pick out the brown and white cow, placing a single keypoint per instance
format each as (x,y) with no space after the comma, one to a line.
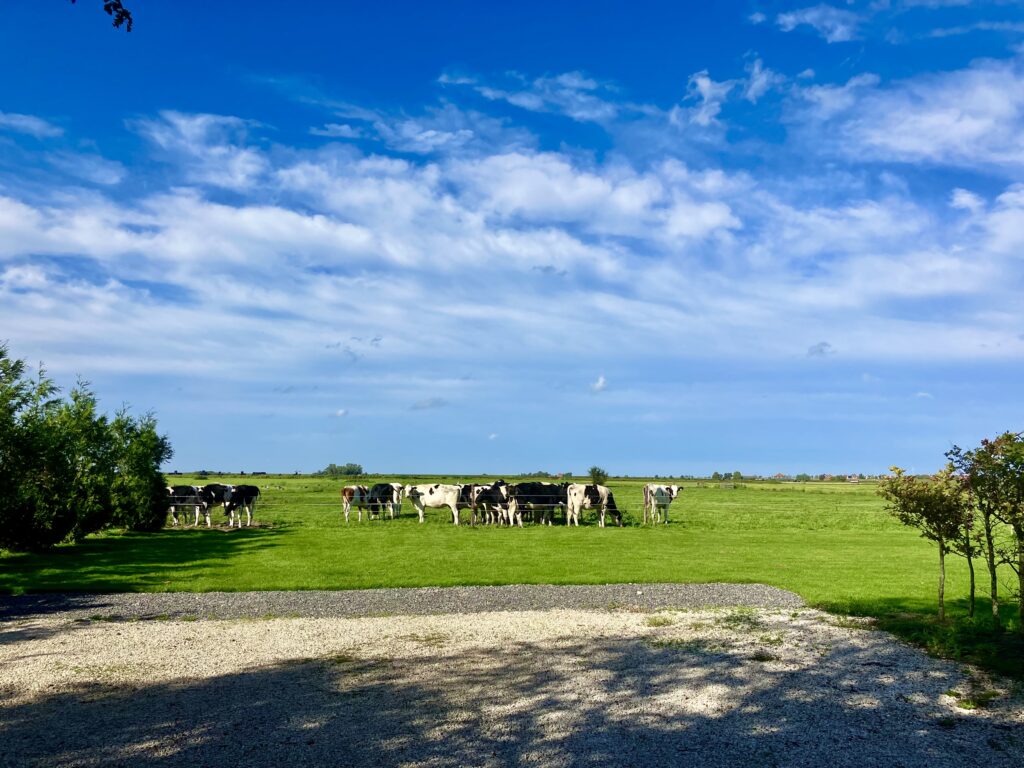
(354,496)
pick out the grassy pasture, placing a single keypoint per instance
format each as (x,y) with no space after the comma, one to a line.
(831,543)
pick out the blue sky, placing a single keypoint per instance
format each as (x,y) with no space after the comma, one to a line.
(773,237)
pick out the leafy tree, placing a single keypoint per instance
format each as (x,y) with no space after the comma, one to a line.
(803,477)
(598,476)
(138,494)
(938,507)
(980,467)
(347,470)
(1003,462)
(65,467)
(120,15)
(716,476)
(737,475)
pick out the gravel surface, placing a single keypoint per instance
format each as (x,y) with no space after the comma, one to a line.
(382,602)
(565,687)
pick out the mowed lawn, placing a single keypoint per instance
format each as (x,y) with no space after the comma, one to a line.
(831,543)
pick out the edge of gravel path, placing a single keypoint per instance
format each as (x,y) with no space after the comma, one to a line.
(419,601)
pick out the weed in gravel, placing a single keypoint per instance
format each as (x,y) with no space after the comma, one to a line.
(771,639)
(103,617)
(689,645)
(946,722)
(741,620)
(660,621)
(975,699)
(429,640)
(852,622)
(762,655)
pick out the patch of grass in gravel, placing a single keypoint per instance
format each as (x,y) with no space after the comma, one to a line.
(660,621)
(762,655)
(428,639)
(975,699)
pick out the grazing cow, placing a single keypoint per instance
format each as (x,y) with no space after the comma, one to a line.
(543,498)
(187,496)
(381,497)
(658,498)
(591,496)
(241,497)
(437,495)
(354,496)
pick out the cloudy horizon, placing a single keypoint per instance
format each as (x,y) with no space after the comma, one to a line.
(774,238)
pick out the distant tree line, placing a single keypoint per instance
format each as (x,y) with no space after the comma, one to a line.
(68,470)
(346,470)
(973,508)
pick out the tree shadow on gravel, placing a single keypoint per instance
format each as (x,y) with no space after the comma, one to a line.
(623,702)
(128,562)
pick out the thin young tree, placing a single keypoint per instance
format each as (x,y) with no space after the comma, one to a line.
(1008,449)
(598,476)
(980,469)
(936,506)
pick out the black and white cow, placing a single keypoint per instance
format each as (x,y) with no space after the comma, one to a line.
(658,498)
(435,496)
(591,497)
(240,497)
(216,495)
(491,502)
(187,497)
(542,498)
(384,497)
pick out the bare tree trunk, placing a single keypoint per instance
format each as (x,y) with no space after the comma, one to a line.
(942,580)
(990,561)
(1018,531)
(970,599)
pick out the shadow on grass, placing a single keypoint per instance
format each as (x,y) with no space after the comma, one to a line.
(630,703)
(972,640)
(131,562)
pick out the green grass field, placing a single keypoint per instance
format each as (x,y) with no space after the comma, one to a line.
(833,544)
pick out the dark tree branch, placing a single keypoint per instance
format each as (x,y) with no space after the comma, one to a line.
(120,15)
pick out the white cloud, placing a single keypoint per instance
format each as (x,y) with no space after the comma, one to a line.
(760,80)
(600,385)
(211,148)
(711,95)
(341,412)
(968,117)
(29,124)
(92,168)
(492,436)
(966,200)
(923,395)
(833,24)
(573,94)
(337,131)
(757,18)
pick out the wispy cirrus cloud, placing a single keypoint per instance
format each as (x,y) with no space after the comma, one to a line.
(834,25)
(30,125)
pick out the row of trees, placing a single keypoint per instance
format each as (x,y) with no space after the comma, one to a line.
(66,469)
(973,508)
(345,470)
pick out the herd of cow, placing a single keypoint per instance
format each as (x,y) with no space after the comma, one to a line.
(203,498)
(499,503)
(502,503)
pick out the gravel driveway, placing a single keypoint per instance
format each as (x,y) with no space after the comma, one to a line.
(586,684)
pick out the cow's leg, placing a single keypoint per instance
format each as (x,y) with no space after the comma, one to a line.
(346,508)
(206,514)
(455,513)
(419,509)
(196,523)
